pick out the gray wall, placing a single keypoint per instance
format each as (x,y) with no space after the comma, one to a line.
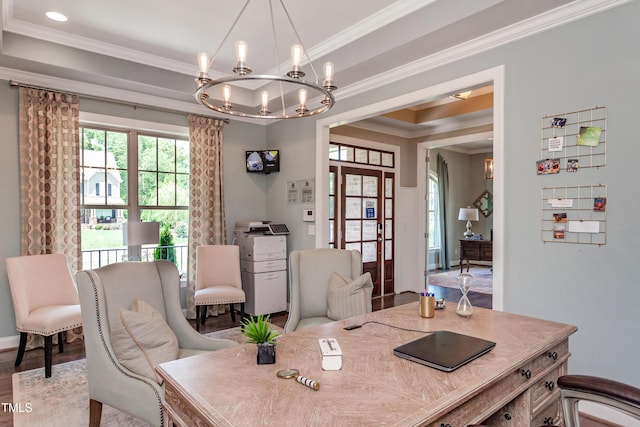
(582,64)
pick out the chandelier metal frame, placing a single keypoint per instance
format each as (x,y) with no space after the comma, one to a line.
(293,78)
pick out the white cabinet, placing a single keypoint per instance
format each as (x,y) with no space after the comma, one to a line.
(263,263)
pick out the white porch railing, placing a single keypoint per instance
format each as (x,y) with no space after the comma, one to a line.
(95,258)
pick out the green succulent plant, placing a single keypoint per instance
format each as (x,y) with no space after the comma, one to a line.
(258,329)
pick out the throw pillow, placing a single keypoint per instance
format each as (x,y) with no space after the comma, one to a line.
(347,298)
(144,340)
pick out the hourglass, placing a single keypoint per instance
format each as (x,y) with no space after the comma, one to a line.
(464,309)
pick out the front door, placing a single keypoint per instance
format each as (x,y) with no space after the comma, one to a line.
(367,222)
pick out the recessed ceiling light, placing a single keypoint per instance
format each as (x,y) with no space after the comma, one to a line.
(56,16)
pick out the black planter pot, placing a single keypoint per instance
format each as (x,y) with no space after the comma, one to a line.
(266,353)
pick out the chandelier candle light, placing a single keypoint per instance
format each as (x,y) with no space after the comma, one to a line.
(287,83)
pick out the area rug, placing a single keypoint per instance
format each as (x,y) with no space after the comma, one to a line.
(482,279)
(63,399)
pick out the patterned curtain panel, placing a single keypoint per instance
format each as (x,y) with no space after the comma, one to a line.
(49,174)
(50,181)
(206,196)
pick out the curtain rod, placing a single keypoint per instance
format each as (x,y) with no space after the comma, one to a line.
(13,83)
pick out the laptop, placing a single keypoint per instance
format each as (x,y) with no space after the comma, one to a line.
(444,350)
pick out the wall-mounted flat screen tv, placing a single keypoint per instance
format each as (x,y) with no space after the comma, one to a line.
(263,161)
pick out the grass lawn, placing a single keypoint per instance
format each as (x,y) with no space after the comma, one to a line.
(102,239)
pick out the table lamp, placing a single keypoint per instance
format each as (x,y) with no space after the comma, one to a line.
(468,214)
(140,233)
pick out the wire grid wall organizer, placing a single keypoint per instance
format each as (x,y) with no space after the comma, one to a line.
(574,214)
(560,140)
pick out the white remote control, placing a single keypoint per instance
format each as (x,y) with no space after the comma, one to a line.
(331,354)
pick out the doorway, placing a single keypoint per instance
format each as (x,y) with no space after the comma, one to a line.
(412,251)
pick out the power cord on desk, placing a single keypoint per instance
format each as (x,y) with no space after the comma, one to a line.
(351,327)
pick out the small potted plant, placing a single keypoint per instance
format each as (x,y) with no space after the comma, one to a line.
(258,330)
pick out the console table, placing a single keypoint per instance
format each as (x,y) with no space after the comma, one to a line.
(476,250)
(513,384)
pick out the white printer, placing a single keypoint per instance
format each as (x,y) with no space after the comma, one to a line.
(263,264)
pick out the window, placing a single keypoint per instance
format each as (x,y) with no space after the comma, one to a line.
(434,213)
(134,177)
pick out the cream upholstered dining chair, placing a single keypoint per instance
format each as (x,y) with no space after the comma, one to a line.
(613,394)
(311,275)
(133,321)
(218,280)
(45,300)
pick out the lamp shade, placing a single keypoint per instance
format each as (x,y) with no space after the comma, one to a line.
(468,214)
(140,233)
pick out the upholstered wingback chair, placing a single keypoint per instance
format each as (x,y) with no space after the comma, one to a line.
(309,275)
(103,293)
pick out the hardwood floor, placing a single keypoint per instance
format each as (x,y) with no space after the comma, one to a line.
(35,358)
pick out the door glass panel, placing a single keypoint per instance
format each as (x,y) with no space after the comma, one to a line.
(369,251)
(369,208)
(388,250)
(388,224)
(353,247)
(388,208)
(352,205)
(369,230)
(353,230)
(370,186)
(388,187)
(331,229)
(353,185)
(332,204)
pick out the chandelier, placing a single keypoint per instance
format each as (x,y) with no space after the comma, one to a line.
(286,106)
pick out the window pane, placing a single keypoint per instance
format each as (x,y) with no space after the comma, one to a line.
(334,152)
(166,189)
(353,231)
(346,154)
(353,185)
(369,230)
(332,213)
(369,208)
(387,160)
(388,229)
(182,156)
(370,186)
(374,157)
(147,153)
(353,247)
(388,208)
(332,179)
(388,187)
(388,250)
(361,155)
(182,190)
(166,155)
(117,180)
(147,189)
(174,233)
(353,209)
(369,251)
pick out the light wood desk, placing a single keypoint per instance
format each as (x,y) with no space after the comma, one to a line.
(375,387)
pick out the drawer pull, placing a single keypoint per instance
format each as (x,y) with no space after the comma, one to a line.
(548,421)
(550,385)
(526,373)
(507,416)
(553,355)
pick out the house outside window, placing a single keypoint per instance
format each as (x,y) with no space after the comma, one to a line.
(134,177)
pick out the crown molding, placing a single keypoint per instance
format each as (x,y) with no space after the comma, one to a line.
(565,14)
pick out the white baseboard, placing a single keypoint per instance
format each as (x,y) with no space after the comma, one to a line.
(7,343)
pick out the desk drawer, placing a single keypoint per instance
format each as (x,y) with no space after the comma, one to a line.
(470,252)
(546,387)
(550,415)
